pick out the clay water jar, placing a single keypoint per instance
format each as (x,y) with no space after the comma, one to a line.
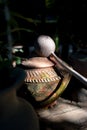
(44,81)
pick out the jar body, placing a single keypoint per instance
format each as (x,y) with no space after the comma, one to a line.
(45,85)
(44,82)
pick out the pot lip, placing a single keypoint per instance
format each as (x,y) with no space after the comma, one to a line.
(19,77)
(37,62)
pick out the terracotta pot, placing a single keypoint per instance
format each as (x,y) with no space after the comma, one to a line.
(15,112)
(44,82)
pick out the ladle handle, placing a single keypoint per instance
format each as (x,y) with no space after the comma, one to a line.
(70,70)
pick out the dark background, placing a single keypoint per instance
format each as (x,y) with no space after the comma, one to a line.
(70,25)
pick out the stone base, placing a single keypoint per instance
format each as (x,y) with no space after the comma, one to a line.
(66,115)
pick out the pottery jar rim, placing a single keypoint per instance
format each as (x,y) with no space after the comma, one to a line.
(37,62)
